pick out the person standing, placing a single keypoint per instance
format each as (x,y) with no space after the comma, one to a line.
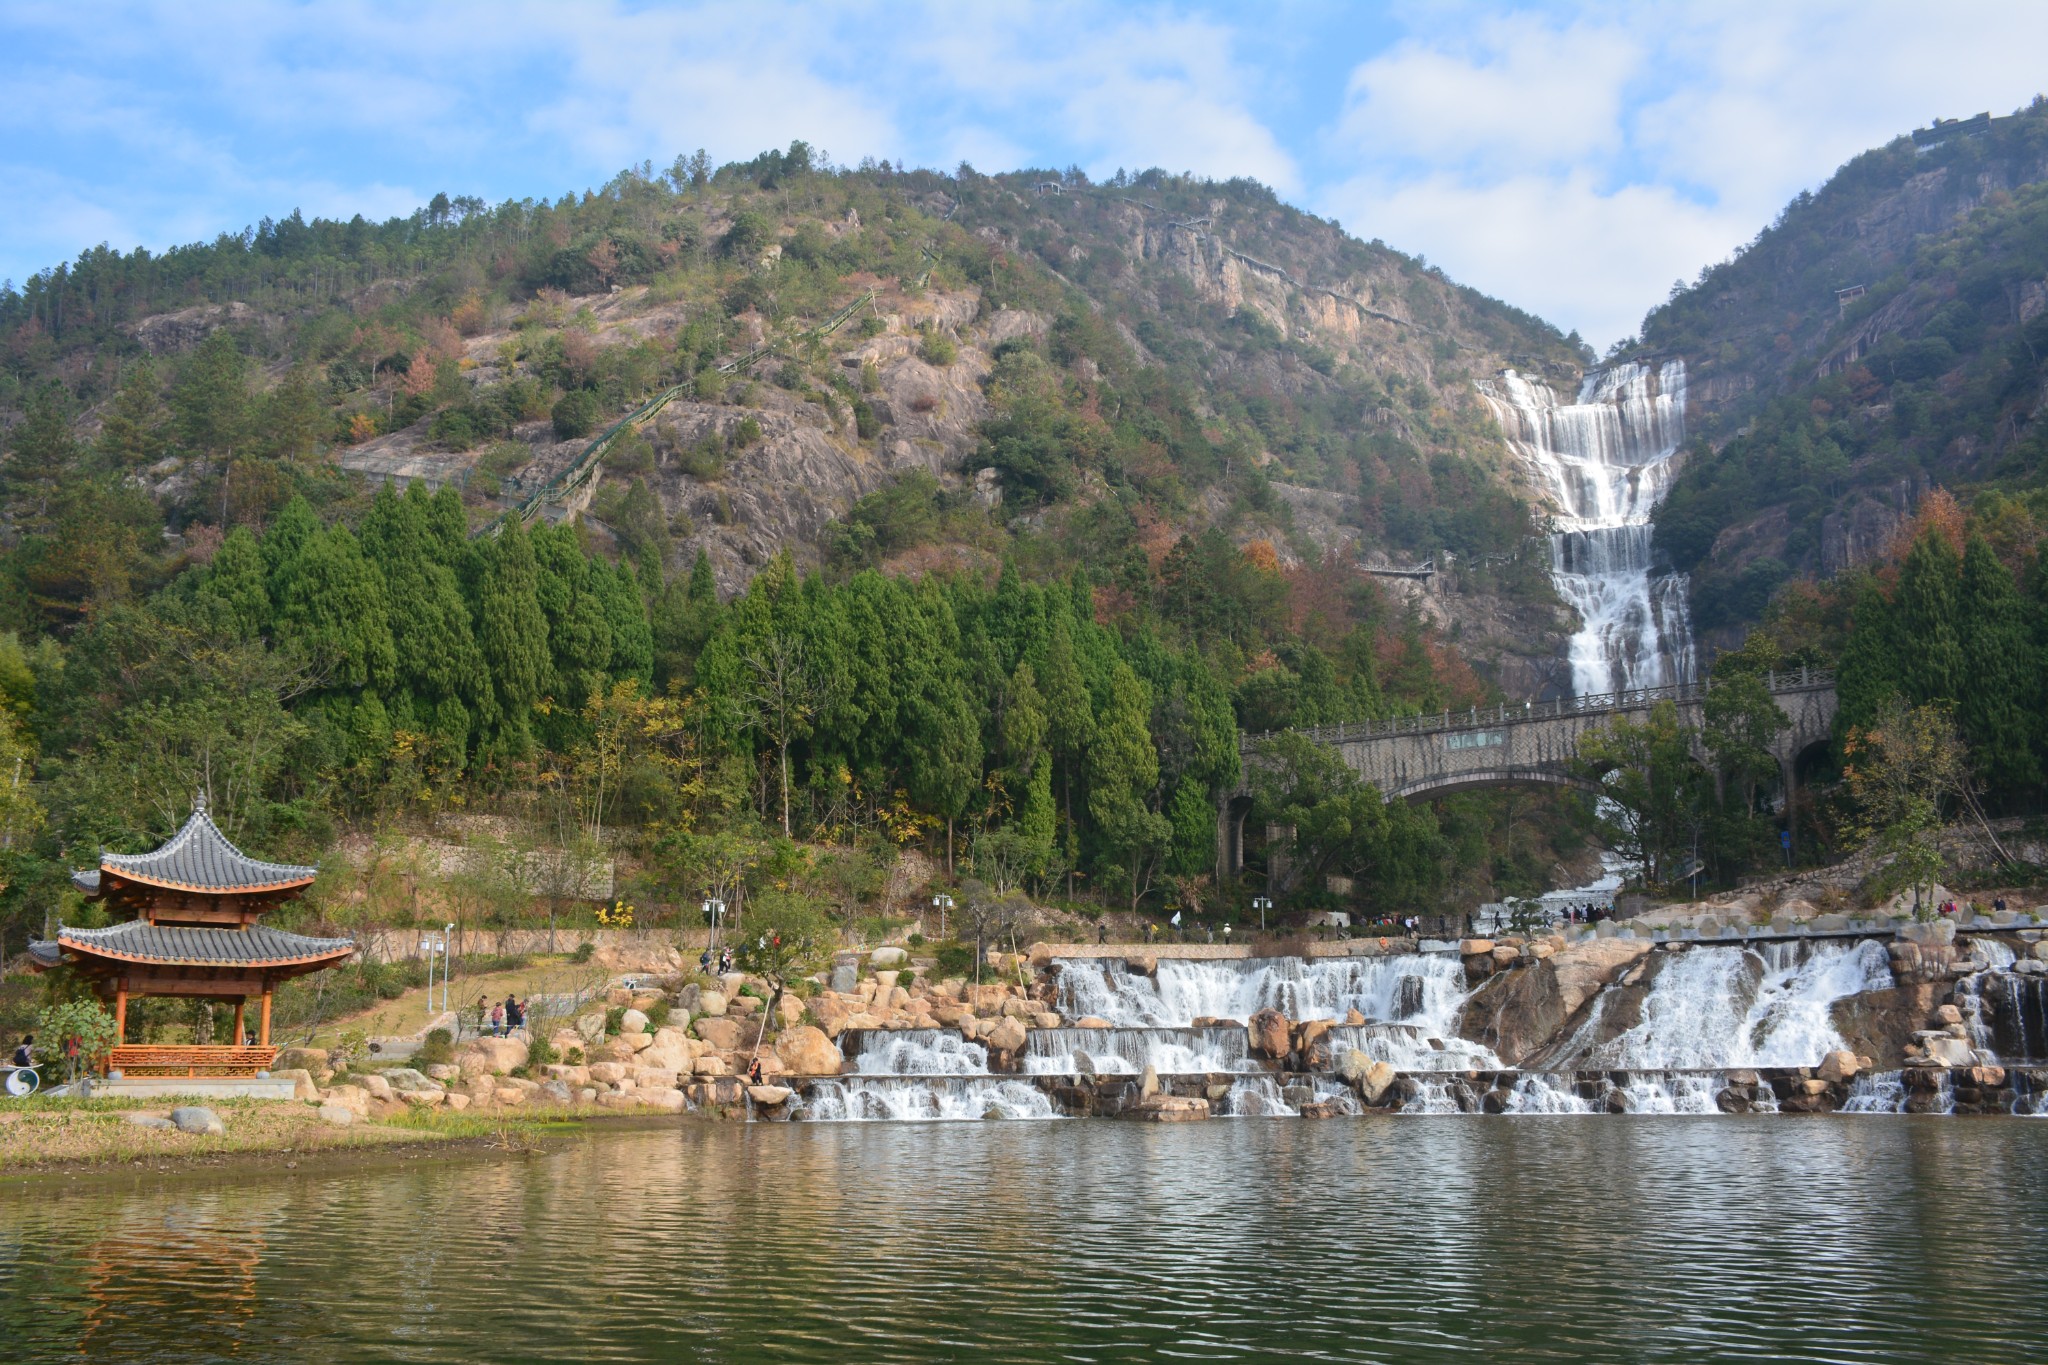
(25,1053)
(497,1021)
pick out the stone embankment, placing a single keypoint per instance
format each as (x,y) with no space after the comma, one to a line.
(1929,1042)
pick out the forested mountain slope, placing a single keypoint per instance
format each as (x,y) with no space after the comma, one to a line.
(982,513)
(1886,335)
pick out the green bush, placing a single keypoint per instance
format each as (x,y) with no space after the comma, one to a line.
(872,326)
(437,1049)
(574,1056)
(583,952)
(745,434)
(539,1053)
(657,1014)
(575,414)
(865,422)
(938,349)
(955,959)
(614,1019)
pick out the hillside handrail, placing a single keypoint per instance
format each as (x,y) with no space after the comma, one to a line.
(1509,713)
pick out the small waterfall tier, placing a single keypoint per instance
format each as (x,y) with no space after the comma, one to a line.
(1606,461)
(1128,1051)
(913,1075)
(1423,989)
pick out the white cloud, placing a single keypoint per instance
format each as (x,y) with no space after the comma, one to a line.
(1577,165)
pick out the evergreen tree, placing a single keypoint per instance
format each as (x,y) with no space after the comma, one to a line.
(625,612)
(233,590)
(1931,655)
(2000,706)
(1039,820)
(511,631)
(1069,716)
(132,434)
(1869,671)
(294,527)
(293,416)
(44,455)
(332,608)
(210,402)
(1123,770)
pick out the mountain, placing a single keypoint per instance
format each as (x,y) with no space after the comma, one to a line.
(1886,335)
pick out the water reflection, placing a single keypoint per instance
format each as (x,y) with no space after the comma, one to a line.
(1625,1239)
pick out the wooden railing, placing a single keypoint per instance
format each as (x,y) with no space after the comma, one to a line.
(145,1059)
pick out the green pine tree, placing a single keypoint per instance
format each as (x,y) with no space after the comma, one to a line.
(2000,707)
(1931,654)
(511,631)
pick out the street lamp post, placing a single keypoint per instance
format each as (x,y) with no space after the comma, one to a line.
(942,904)
(447,960)
(714,915)
(1262,904)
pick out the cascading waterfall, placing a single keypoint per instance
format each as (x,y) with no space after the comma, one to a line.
(1606,460)
(919,1075)
(1715,1008)
(1424,989)
(1128,1051)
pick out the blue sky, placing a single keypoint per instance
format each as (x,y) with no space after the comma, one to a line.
(1572,159)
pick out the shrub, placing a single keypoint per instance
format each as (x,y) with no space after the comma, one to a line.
(872,326)
(915,940)
(439,1047)
(540,1053)
(614,1020)
(954,959)
(583,951)
(938,349)
(575,414)
(574,1056)
(657,1014)
(865,422)
(745,434)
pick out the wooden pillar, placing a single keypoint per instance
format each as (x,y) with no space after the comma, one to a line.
(263,1039)
(120,1015)
(241,1003)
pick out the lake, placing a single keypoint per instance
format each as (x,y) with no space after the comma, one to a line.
(1385,1239)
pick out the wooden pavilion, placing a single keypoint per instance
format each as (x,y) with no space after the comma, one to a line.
(196,903)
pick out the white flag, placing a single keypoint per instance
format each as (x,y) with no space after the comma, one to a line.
(1175,921)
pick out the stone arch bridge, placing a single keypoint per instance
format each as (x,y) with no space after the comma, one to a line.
(1416,757)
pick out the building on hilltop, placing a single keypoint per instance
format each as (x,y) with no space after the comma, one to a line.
(195,904)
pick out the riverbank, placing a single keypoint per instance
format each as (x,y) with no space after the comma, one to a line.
(44,1137)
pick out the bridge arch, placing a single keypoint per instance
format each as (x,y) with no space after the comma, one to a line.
(1444,785)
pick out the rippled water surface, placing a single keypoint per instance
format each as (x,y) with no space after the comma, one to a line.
(1624,1239)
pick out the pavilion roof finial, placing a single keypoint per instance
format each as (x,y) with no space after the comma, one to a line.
(199,801)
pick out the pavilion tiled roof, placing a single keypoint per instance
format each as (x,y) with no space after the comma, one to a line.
(165,945)
(197,858)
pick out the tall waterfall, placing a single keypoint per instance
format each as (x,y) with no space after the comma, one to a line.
(1607,462)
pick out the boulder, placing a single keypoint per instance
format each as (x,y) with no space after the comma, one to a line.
(711,1003)
(491,1056)
(443,1072)
(723,1034)
(591,1026)
(1148,1084)
(1142,966)
(148,1121)
(767,1095)
(1007,1036)
(197,1118)
(633,1021)
(1269,1034)
(310,1059)
(351,1097)
(669,1101)
(1589,964)
(1170,1109)
(1948,1014)
(1091,1021)
(806,1051)
(638,1042)
(424,1099)
(1837,1066)
(607,1073)
(1374,1083)
(1047,1019)
(1475,947)
(405,1080)
(885,982)
(457,1101)
(710,1066)
(375,1083)
(887,957)
(508,1096)
(302,1082)
(1504,956)
(559,1091)
(789,1009)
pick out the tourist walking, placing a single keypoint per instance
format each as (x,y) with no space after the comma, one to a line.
(497,1021)
(511,1013)
(1101,931)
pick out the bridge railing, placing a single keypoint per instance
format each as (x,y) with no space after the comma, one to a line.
(1510,713)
